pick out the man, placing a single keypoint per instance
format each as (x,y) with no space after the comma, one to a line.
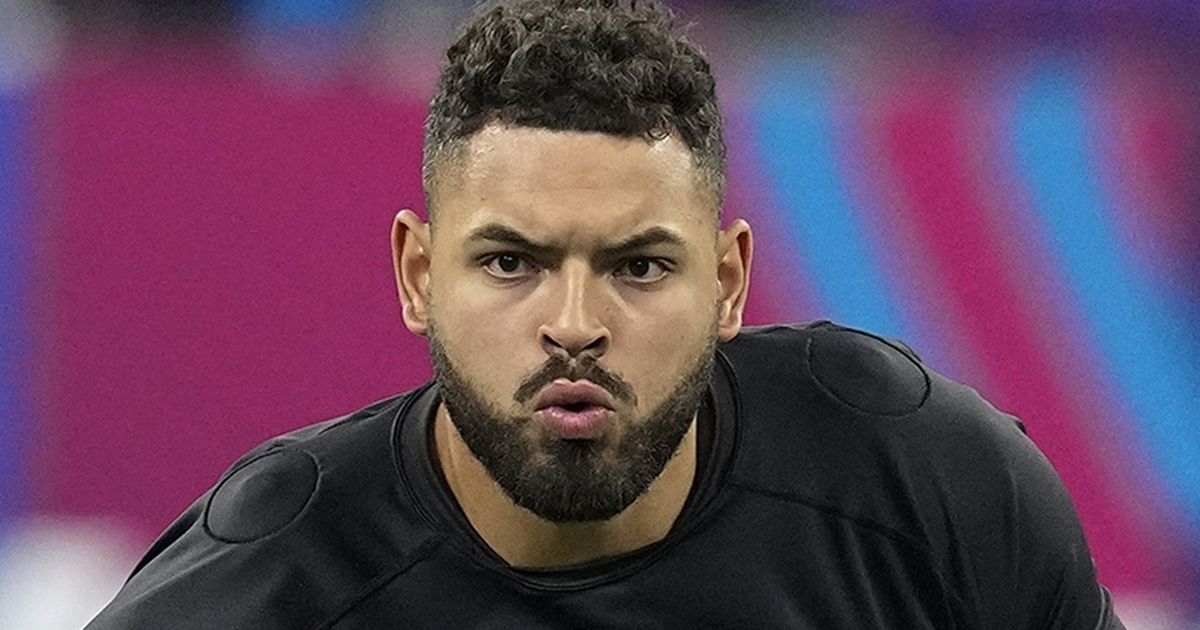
(603,446)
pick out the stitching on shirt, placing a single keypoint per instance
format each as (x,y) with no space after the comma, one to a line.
(808,357)
(308,502)
(371,587)
(866,523)
(886,530)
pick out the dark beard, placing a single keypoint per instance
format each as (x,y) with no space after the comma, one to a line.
(571,480)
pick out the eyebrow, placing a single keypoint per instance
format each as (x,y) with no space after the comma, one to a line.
(652,236)
(503,234)
(508,236)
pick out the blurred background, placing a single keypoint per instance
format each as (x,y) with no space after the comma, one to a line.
(196,197)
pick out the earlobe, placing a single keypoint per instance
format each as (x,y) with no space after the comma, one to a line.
(411,260)
(736,252)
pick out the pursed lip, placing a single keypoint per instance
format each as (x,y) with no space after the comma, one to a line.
(564,393)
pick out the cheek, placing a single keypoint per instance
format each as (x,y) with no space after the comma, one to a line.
(663,339)
(677,318)
(486,335)
(478,317)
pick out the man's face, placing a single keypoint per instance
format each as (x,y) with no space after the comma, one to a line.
(573,312)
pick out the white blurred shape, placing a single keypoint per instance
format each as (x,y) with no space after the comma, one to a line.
(1150,611)
(57,574)
(406,42)
(29,40)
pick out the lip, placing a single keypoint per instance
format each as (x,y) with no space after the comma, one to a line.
(590,423)
(564,393)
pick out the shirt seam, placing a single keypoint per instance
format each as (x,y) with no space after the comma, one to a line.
(370,588)
(860,522)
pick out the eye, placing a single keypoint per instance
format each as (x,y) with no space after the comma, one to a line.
(507,266)
(642,269)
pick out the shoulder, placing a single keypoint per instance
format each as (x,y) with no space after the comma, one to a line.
(857,427)
(827,408)
(275,483)
(257,549)
(858,424)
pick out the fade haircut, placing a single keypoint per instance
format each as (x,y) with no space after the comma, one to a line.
(620,67)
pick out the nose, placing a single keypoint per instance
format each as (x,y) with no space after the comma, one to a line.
(575,326)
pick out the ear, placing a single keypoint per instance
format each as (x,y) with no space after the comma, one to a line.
(735,250)
(410,257)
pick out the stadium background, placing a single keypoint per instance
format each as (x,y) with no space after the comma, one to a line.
(195,201)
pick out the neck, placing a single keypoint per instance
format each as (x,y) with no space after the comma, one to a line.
(525,540)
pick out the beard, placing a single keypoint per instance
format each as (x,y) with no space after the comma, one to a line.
(563,480)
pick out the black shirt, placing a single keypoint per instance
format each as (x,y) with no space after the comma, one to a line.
(840,484)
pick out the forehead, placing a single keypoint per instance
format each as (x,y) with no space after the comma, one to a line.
(543,179)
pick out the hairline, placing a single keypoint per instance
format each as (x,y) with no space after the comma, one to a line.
(710,178)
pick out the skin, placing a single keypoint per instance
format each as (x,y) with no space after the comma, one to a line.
(645,314)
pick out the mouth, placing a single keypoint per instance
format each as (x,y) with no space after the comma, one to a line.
(574,395)
(575,410)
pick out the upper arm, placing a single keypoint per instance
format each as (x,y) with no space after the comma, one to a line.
(1031,567)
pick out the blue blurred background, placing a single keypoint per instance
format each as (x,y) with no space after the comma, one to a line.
(195,200)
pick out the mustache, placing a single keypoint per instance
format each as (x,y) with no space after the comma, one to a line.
(557,367)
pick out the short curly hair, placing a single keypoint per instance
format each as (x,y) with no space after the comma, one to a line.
(620,67)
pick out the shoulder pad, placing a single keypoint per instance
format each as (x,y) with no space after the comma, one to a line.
(262,496)
(867,373)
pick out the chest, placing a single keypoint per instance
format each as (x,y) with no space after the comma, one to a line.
(773,565)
